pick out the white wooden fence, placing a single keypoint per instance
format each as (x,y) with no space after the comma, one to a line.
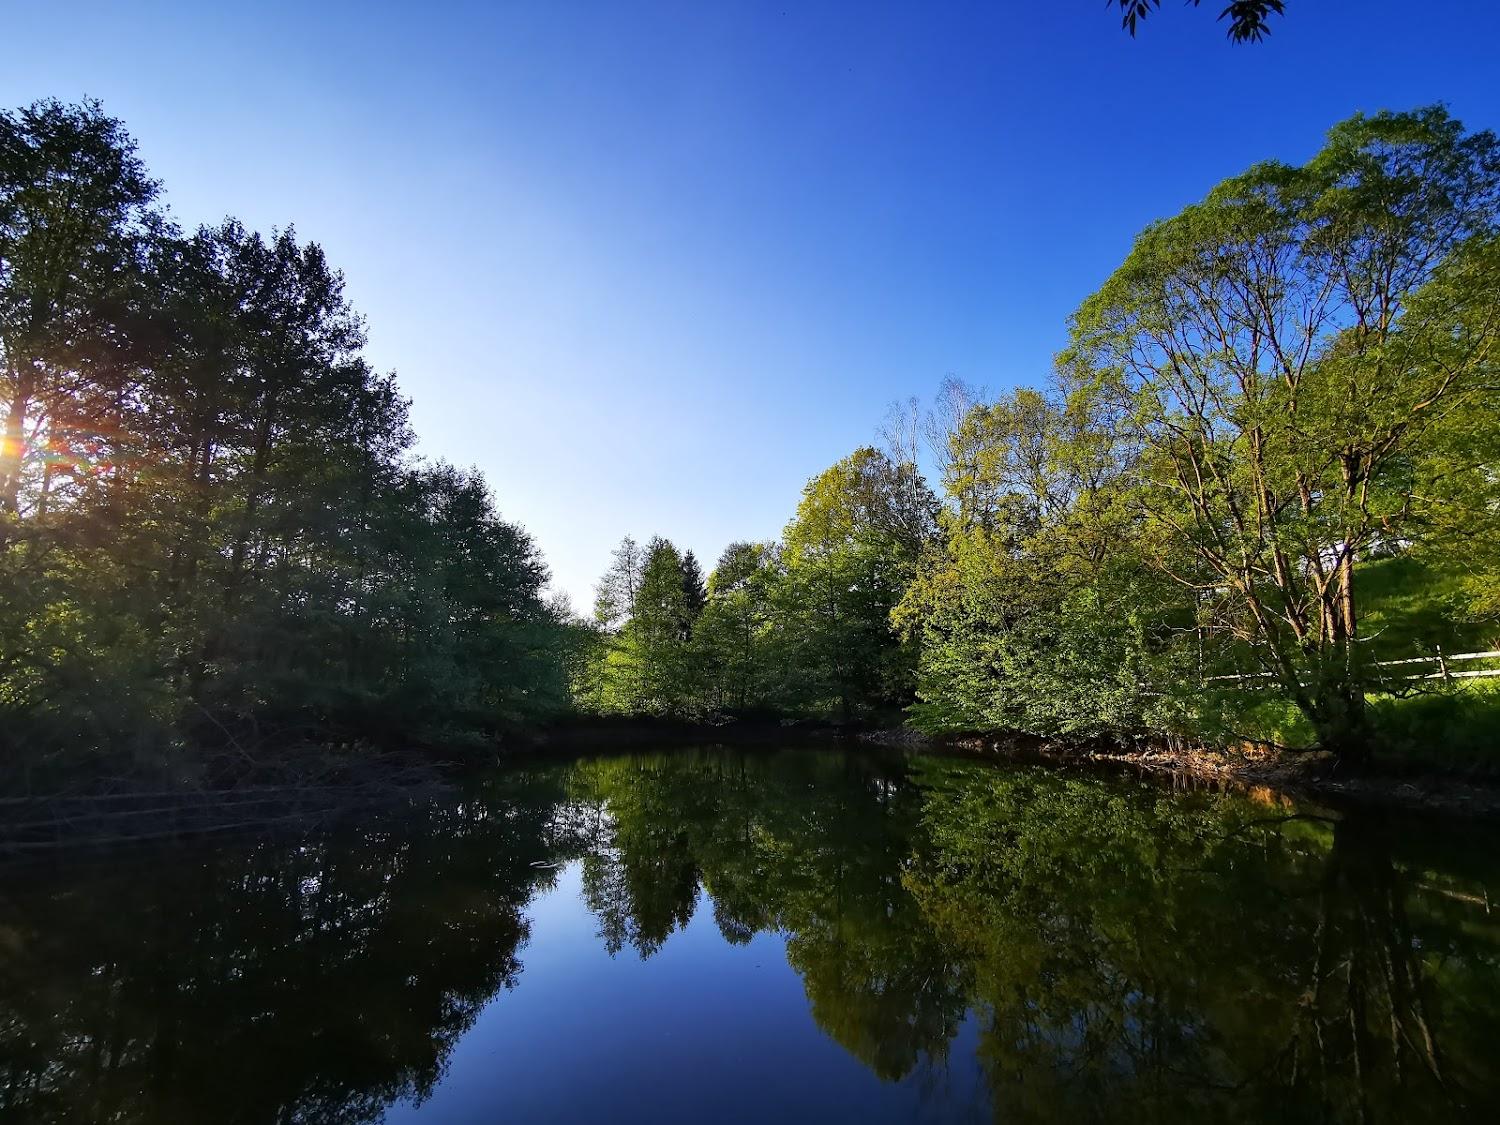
(1443,660)
(1435,667)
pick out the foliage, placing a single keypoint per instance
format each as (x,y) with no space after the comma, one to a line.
(211,529)
(1278,365)
(1249,20)
(1032,616)
(1269,460)
(1282,390)
(617,589)
(736,640)
(847,556)
(802,627)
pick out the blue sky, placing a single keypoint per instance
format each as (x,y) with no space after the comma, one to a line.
(652,265)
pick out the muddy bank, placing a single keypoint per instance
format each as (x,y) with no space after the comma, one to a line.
(1307,775)
(1264,770)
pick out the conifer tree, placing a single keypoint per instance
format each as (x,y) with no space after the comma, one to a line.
(694,592)
(656,641)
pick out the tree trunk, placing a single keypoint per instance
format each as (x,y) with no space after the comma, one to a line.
(1342,721)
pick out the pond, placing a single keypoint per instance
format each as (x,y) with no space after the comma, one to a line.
(790,935)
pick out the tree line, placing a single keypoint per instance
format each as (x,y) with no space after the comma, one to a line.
(1280,386)
(213,530)
(797,627)
(212,527)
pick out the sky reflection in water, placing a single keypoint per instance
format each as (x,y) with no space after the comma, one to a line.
(797,935)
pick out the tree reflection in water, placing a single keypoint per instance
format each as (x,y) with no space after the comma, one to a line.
(311,981)
(1124,951)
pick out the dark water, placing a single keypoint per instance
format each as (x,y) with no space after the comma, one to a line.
(791,936)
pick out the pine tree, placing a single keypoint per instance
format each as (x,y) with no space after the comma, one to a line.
(694,592)
(647,666)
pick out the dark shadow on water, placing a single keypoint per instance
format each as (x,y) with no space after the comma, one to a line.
(1117,951)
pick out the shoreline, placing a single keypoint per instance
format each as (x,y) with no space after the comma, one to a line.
(139,811)
(1308,775)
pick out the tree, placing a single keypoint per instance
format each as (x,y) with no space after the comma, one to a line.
(76,218)
(1280,361)
(212,536)
(1034,614)
(647,667)
(849,552)
(1249,20)
(734,640)
(75,210)
(694,591)
(617,589)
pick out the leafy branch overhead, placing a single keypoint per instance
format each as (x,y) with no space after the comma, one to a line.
(1249,20)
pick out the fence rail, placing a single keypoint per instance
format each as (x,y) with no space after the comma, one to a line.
(1440,661)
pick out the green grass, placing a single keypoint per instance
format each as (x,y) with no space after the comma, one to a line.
(1410,608)
(1455,729)
(1448,728)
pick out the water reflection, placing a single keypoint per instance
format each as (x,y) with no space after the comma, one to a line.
(1087,949)
(315,981)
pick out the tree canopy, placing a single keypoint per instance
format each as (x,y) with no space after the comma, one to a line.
(212,530)
(1281,387)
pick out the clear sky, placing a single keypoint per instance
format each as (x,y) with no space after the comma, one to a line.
(652,265)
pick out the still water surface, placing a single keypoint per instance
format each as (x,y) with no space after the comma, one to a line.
(802,935)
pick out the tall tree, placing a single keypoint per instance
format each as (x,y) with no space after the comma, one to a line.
(1279,358)
(694,591)
(734,641)
(617,590)
(211,532)
(75,210)
(849,552)
(657,633)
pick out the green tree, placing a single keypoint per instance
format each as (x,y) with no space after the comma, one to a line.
(694,589)
(735,640)
(646,664)
(75,214)
(1036,613)
(212,536)
(847,556)
(1279,360)
(615,595)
